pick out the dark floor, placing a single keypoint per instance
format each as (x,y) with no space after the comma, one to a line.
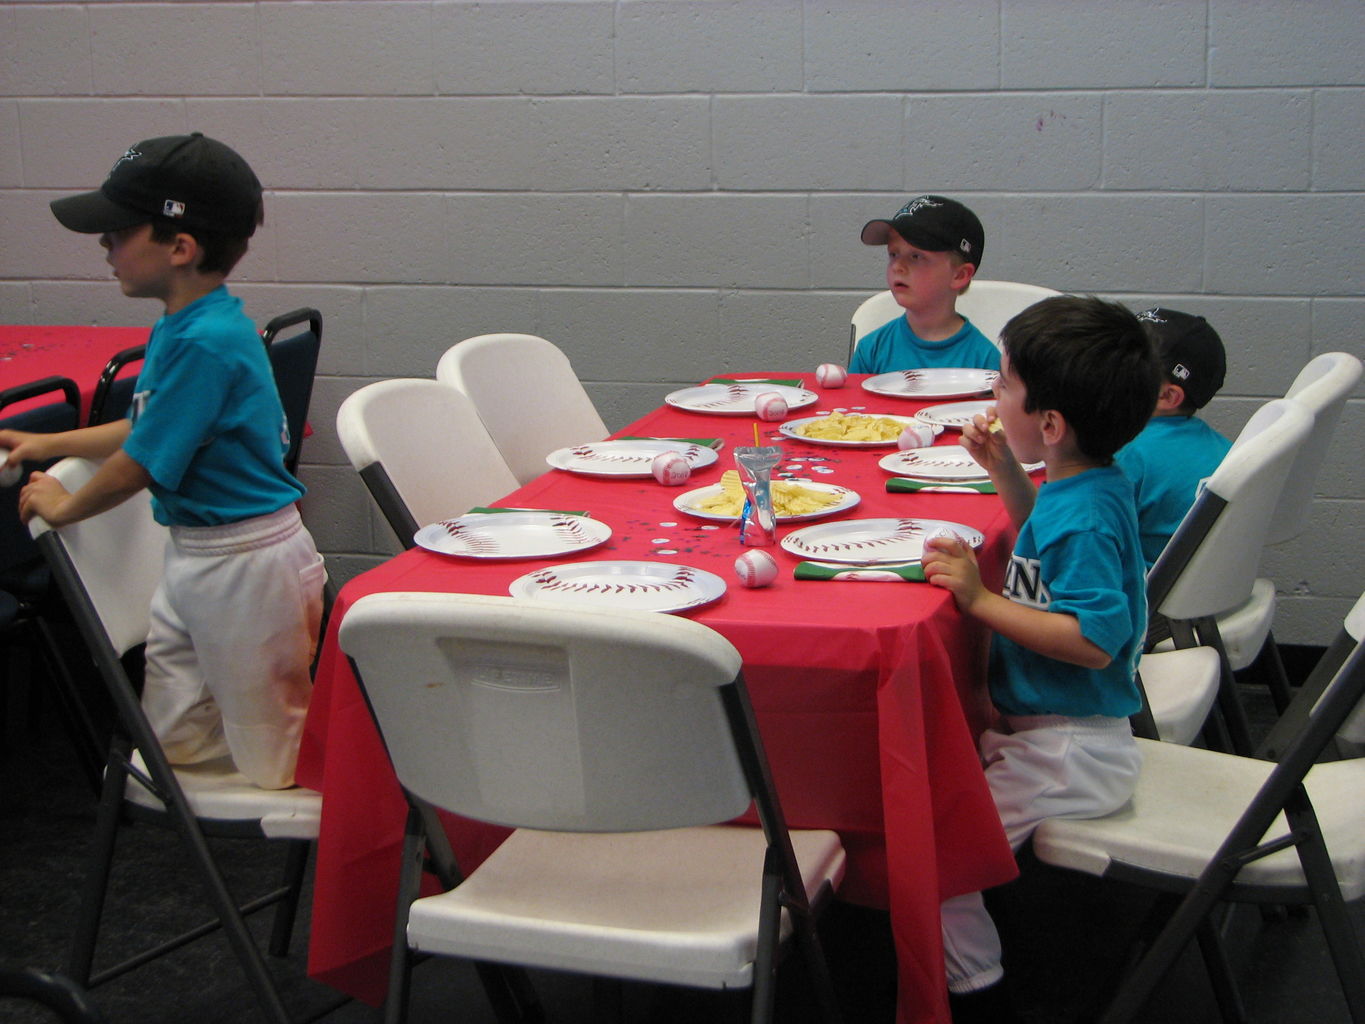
(1063,933)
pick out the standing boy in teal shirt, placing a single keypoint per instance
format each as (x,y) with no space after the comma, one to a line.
(236,616)
(1078,379)
(1176,451)
(933,247)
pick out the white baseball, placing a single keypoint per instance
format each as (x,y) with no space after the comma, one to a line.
(756,568)
(770,406)
(915,435)
(830,375)
(9,475)
(671,468)
(944,532)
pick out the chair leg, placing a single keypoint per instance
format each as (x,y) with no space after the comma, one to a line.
(769,924)
(1229,702)
(1138,987)
(1335,922)
(1269,666)
(225,906)
(409,885)
(75,716)
(295,865)
(818,967)
(1220,972)
(81,954)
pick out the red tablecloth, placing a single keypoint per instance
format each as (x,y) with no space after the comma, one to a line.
(869,697)
(31,353)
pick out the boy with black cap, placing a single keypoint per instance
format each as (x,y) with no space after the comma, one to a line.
(1176,452)
(235,618)
(933,248)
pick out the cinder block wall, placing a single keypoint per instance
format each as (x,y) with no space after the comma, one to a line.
(668,188)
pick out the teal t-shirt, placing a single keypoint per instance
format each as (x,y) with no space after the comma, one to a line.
(208,426)
(893,346)
(1078,554)
(1168,462)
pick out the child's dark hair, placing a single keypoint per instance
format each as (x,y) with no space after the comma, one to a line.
(221,252)
(1091,361)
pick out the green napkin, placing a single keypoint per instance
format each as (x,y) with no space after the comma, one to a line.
(705,442)
(904,484)
(488,511)
(909,572)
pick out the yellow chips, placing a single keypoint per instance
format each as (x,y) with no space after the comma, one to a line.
(853,427)
(789,499)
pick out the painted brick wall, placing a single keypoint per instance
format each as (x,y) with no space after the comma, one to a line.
(669,188)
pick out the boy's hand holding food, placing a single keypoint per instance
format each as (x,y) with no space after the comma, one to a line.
(951,564)
(984,439)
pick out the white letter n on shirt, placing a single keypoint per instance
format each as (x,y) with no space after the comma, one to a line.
(1024,583)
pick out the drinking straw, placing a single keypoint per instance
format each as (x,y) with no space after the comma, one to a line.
(756,441)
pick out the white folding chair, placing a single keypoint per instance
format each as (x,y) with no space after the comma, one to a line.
(527,395)
(1210,562)
(107,569)
(1220,828)
(612,742)
(987,304)
(422,451)
(1322,387)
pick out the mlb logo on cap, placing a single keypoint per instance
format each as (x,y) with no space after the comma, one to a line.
(170,208)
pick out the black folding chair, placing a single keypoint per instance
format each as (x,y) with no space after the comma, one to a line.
(114,393)
(294,360)
(29,605)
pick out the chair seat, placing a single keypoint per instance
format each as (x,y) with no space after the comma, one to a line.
(1181,688)
(217,791)
(1244,628)
(576,902)
(1188,799)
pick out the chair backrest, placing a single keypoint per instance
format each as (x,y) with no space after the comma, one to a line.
(1309,697)
(1321,387)
(536,716)
(117,556)
(294,360)
(61,413)
(987,304)
(422,451)
(114,390)
(527,395)
(1210,563)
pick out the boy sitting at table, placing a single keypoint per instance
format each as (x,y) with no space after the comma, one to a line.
(1079,379)
(1176,451)
(933,247)
(235,618)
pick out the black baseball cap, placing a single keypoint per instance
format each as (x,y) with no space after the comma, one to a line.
(1191,352)
(191,179)
(935,224)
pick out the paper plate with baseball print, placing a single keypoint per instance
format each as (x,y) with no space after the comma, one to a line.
(794,429)
(626,457)
(939,382)
(939,462)
(530,534)
(954,415)
(871,541)
(736,398)
(638,586)
(690,502)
